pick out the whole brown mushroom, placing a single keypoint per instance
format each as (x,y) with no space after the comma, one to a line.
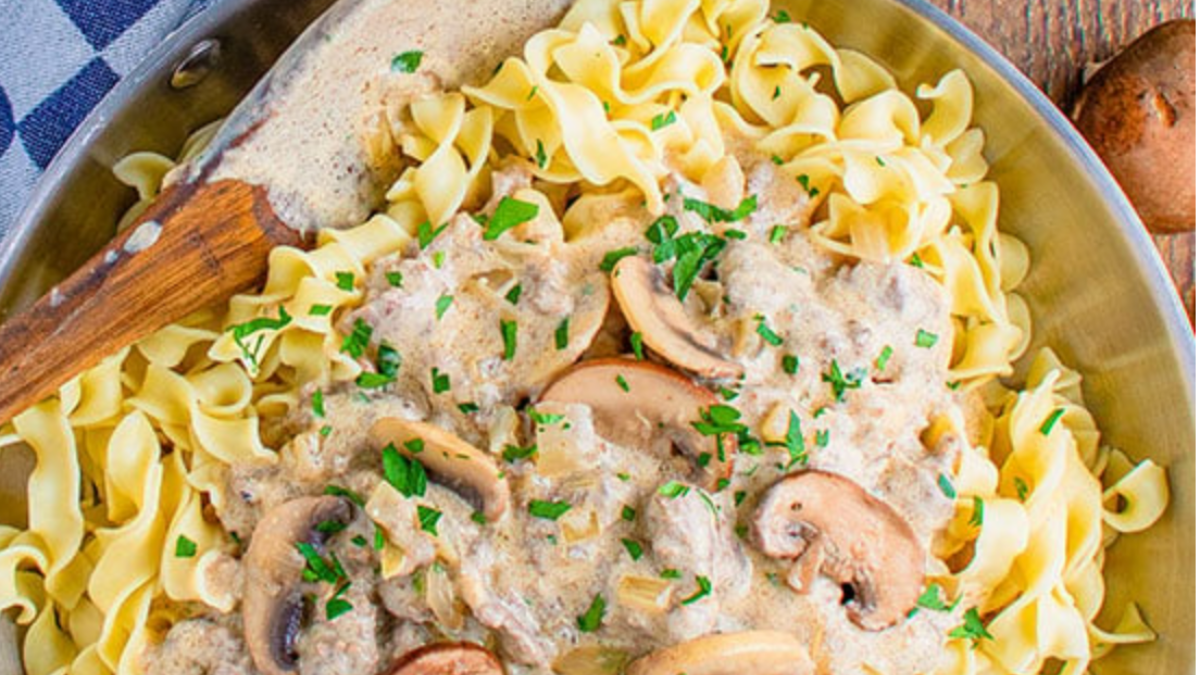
(1139,113)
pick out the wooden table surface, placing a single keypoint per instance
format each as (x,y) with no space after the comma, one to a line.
(1052,40)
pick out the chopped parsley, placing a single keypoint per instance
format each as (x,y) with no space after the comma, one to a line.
(439,380)
(242,331)
(976,512)
(513,295)
(925,339)
(468,408)
(1048,425)
(781,17)
(692,251)
(1022,488)
(330,526)
(881,361)
(337,606)
(589,621)
(946,486)
(508,331)
(662,120)
(778,232)
(634,549)
(766,333)
(355,344)
(719,420)
(367,380)
(345,280)
(916,261)
(822,438)
(562,334)
(812,191)
(318,403)
(316,567)
(715,214)
(777,93)
(439,259)
(320,310)
(674,489)
(842,382)
(794,442)
(478,517)
(509,213)
(428,517)
(614,256)
(512,453)
(387,360)
(704,587)
(548,510)
(932,599)
(405,474)
(426,234)
(635,342)
(395,279)
(622,383)
(972,628)
(739,497)
(407,62)
(339,491)
(670,573)
(628,513)
(791,364)
(443,304)
(184,547)
(546,418)
(540,157)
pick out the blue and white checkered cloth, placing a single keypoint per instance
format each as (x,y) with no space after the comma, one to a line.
(57,60)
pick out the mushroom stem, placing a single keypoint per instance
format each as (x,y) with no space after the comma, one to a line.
(640,404)
(827,523)
(762,652)
(273,604)
(450,461)
(652,309)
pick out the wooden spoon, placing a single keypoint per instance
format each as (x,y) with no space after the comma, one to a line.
(288,161)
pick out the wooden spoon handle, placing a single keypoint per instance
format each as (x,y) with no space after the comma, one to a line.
(197,244)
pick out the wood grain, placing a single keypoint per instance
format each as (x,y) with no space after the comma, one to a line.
(1052,41)
(192,247)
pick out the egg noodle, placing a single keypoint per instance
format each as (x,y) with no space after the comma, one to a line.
(129,453)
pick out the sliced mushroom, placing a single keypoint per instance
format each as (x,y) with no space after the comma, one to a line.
(273,598)
(762,652)
(830,525)
(450,461)
(652,309)
(645,405)
(454,658)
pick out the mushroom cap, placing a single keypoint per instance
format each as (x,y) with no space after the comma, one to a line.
(272,603)
(1139,113)
(762,652)
(451,658)
(450,461)
(652,309)
(855,539)
(659,407)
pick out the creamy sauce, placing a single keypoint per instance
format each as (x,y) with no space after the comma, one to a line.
(305,131)
(519,585)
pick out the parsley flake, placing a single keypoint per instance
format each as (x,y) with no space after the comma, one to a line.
(1048,425)
(405,474)
(508,331)
(407,62)
(184,547)
(548,510)
(562,334)
(428,518)
(704,588)
(662,120)
(925,339)
(443,304)
(589,621)
(509,213)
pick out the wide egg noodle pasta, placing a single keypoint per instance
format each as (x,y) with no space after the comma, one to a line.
(607,105)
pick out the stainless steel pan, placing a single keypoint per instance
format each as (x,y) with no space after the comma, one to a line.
(1098,293)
